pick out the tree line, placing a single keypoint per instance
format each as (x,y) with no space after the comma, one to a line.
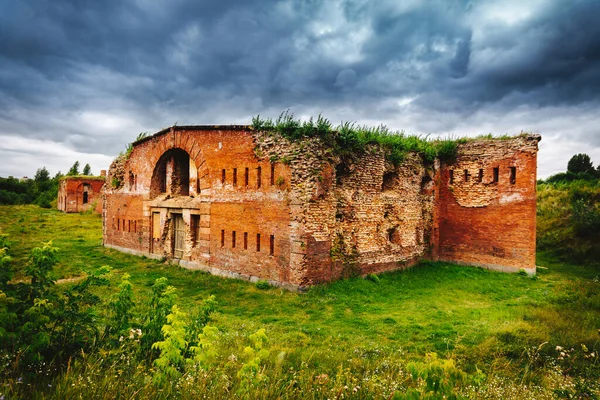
(579,167)
(40,190)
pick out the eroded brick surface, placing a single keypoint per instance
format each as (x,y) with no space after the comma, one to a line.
(254,205)
(490,221)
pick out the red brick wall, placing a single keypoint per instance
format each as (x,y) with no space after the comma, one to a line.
(323,215)
(487,223)
(70,194)
(223,205)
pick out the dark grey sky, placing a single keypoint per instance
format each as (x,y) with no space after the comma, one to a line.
(80,79)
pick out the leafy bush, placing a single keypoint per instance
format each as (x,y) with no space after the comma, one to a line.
(39,323)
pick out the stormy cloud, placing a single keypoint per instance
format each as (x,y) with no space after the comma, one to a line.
(80,79)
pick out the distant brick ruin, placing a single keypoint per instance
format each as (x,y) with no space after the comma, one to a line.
(80,193)
(254,205)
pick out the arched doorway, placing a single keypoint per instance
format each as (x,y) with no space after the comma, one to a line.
(172,174)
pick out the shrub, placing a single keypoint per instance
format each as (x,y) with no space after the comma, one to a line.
(263,284)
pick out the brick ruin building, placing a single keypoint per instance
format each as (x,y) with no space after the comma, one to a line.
(254,205)
(80,193)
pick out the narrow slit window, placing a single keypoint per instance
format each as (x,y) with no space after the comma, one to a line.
(123,225)
(246,176)
(129,225)
(233,239)
(235,177)
(135,226)
(222,238)
(258,177)
(272,245)
(118,224)
(272,174)
(496,173)
(467,175)
(223,176)
(258,242)
(480,177)
(245,240)
(451,176)
(513,175)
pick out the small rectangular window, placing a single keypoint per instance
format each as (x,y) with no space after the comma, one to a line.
(272,174)
(496,173)
(451,176)
(480,177)
(467,175)
(258,242)
(134,226)
(222,238)
(118,224)
(233,239)
(258,177)
(245,240)
(129,225)
(513,175)
(272,245)
(223,176)
(235,177)
(246,177)
(195,229)
(123,225)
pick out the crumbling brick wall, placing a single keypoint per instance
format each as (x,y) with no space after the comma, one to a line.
(235,212)
(78,194)
(488,204)
(255,205)
(353,216)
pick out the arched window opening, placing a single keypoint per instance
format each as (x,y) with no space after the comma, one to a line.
(171,174)
(86,189)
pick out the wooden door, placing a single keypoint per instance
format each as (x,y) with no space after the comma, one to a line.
(156,233)
(179,236)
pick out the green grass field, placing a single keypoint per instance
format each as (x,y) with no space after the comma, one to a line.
(354,338)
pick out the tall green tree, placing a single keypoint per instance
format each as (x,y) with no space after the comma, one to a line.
(87,170)
(74,169)
(580,163)
(42,175)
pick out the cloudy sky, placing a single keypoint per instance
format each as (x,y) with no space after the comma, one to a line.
(80,79)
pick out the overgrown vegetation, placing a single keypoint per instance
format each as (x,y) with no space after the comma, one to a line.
(348,139)
(41,190)
(129,148)
(431,331)
(569,212)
